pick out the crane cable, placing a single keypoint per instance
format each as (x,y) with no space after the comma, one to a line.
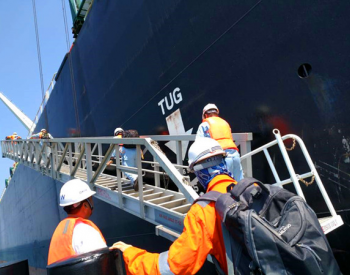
(40,64)
(38,49)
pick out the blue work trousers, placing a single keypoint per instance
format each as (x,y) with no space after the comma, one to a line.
(128,156)
(233,163)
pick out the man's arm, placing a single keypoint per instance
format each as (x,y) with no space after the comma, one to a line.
(185,256)
(203,130)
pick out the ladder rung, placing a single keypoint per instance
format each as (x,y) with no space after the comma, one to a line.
(161,199)
(145,192)
(153,196)
(328,224)
(182,209)
(172,204)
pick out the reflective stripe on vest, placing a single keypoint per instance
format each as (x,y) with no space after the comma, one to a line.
(61,242)
(220,130)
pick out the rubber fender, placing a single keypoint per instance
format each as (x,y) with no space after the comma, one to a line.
(98,262)
(18,268)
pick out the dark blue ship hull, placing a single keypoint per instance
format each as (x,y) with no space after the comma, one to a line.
(266,64)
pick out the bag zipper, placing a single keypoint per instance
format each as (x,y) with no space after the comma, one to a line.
(316,257)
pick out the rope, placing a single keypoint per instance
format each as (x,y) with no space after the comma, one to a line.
(307,183)
(38,49)
(293,146)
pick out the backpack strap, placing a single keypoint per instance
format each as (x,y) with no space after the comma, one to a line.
(211,196)
(243,184)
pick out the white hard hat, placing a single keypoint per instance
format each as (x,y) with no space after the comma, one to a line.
(118,131)
(14,133)
(75,191)
(203,148)
(208,107)
(42,130)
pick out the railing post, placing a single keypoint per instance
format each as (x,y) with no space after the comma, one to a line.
(140,180)
(70,159)
(245,147)
(156,175)
(88,164)
(179,155)
(52,158)
(119,175)
(288,163)
(272,167)
(99,148)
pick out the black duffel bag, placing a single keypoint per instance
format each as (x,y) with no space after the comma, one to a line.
(99,262)
(17,268)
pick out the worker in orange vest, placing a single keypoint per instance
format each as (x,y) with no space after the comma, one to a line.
(202,234)
(217,128)
(43,134)
(13,136)
(75,234)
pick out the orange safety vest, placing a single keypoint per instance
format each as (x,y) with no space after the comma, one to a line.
(61,242)
(202,235)
(220,130)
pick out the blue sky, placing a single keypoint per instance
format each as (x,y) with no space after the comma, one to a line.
(19,69)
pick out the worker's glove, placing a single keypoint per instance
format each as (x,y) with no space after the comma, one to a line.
(121,246)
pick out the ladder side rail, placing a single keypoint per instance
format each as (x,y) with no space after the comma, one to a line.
(140,180)
(103,164)
(272,167)
(181,182)
(288,163)
(315,173)
(65,150)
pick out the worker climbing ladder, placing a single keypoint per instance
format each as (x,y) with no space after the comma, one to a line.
(85,158)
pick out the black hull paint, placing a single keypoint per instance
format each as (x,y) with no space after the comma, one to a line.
(243,56)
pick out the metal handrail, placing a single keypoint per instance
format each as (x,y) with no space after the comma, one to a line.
(294,178)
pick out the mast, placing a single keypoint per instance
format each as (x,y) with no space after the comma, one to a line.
(26,121)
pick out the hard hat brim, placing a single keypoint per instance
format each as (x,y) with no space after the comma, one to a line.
(87,195)
(209,155)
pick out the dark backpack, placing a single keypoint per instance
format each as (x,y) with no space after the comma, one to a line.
(130,134)
(269,230)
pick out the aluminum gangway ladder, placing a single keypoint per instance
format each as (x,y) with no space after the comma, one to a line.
(63,159)
(87,158)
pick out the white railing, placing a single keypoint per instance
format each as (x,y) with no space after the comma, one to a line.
(328,224)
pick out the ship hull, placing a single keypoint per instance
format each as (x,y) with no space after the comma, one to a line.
(265,64)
